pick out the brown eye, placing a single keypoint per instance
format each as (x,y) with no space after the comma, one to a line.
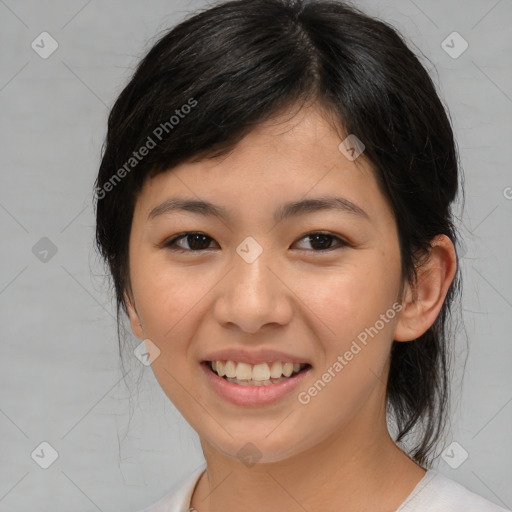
(195,241)
(323,241)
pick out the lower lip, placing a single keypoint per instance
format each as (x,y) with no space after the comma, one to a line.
(252,395)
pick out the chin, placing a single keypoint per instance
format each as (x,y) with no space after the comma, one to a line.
(260,449)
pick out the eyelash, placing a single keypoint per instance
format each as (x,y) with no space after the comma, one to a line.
(170,244)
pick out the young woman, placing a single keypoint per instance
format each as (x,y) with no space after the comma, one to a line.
(274,205)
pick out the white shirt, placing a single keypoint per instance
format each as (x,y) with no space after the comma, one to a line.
(434,493)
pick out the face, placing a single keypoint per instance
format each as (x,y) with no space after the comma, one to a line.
(269,275)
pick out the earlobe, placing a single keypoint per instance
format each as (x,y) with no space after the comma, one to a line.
(423,301)
(135,321)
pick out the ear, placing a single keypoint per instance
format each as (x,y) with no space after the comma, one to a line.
(422,303)
(135,321)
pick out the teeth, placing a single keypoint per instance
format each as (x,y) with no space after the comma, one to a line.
(221,368)
(243,371)
(230,369)
(277,370)
(259,373)
(287,369)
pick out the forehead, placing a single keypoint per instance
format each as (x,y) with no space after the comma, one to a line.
(290,157)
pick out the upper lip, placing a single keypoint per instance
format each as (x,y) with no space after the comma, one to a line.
(253,357)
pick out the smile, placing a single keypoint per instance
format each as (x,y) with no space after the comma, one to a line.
(263,374)
(245,384)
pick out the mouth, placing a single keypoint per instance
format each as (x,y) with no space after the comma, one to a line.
(262,374)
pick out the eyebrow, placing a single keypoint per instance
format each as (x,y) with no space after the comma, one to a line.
(285,211)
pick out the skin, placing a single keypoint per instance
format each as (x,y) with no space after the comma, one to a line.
(294,298)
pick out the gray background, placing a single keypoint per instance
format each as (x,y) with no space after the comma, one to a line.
(61,380)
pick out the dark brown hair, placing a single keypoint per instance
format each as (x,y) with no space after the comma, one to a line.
(240,62)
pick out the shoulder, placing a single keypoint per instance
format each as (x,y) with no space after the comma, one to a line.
(438,493)
(178,500)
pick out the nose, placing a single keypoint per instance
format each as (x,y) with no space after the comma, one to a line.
(253,295)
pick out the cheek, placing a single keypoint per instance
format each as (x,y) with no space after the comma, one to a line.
(168,302)
(356,304)
(164,294)
(350,299)
(173,301)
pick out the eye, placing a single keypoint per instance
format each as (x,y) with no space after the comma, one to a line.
(323,241)
(197,241)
